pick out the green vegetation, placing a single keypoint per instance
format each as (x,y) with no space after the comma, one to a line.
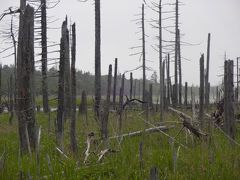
(220,160)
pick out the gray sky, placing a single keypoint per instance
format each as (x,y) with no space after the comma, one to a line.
(197,17)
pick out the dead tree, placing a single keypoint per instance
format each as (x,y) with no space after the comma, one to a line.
(134,89)
(150,96)
(97,59)
(44,55)
(168,80)
(237,91)
(175,91)
(131,85)
(120,108)
(186,94)
(201,92)
(207,89)
(104,123)
(67,73)
(11,102)
(73,139)
(179,69)
(115,83)
(160,59)
(61,94)
(229,119)
(25,84)
(143,54)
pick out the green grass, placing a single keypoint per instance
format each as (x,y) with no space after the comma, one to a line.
(220,161)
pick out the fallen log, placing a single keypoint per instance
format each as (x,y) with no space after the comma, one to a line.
(186,123)
(137,133)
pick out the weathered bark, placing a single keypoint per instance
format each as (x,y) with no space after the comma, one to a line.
(115,83)
(25,84)
(73,139)
(67,73)
(179,69)
(207,89)
(160,60)
(229,120)
(175,93)
(168,81)
(104,122)
(143,55)
(97,59)
(186,94)
(131,85)
(11,102)
(61,99)
(44,56)
(121,102)
(134,89)
(201,92)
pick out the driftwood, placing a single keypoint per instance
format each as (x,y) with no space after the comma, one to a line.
(103,153)
(185,118)
(89,140)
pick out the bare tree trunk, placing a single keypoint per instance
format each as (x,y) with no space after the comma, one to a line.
(207,90)
(97,59)
(11,102)
(237,91)
(0,84)
(143,56)
(25,74)
(168,80)
(44,56)
(176,57)
(67,73)
(160,60)
(107,106)
(115,83)
(179,68)
(201,92)
(73,139)
(186,94)
(121,103)
(131,85)
(134,89)
(61,92)
(151,96)
(229,120)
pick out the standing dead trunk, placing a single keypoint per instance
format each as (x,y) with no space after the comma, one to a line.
(107,106)
(143,56)
(207,89)
(131,85)
(0,85)
(168,80)
(175,91)
(61,99)
(186,94)
(26,89)
(97,59)
(44,56)
(229,120)
(151,96)
(11,102)
(201,92)
(134,89)
(67,73)
(121,103)
(237,91)
(115,83)
(179,69)
(73,139)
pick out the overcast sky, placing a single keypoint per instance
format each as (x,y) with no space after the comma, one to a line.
(197,18)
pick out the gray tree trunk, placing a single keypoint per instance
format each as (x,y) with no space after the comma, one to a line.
(73,139)
(207,90)
(175,91)
(179,68)
(107,106)
(186,94)
(44,56)
(121,102)
(25,84)
(131,85)
(201,93)
(115,83)
(229,119)
(143,55)
(97,59)
(160,59)
(11,101)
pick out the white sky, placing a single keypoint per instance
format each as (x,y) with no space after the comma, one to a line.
(197,17)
